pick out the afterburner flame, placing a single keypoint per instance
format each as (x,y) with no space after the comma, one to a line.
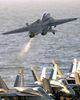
(25,48)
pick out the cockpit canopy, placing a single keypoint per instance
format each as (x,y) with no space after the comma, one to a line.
(39,90)
(63,81)
(45,16)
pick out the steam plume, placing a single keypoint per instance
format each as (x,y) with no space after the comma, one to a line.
(25,48)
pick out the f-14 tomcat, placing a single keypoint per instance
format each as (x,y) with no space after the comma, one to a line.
(42,26)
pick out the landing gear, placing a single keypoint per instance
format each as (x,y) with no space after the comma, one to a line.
(49,27)
(43,33)
(53,33)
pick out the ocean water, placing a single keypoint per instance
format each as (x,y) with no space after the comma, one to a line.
(63,47)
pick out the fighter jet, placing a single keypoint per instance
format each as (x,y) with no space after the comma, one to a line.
(70,77)
(61,84)
(37,87)
(74,81)
(21,92)
(76,86)
(43,26)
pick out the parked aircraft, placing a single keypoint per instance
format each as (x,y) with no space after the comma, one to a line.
(74,82)
(76,86)
(61,83)
(19,92)
(70,77)
(42,26)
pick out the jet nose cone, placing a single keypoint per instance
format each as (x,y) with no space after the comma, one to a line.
(72,92)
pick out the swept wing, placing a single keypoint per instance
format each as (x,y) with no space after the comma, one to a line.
(61,21)
(23,29)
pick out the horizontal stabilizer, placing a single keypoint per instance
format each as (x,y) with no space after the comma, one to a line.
(24,29)
(56,70)
(46,85)
(77,78)
(54,76)
(53,62)
(19,82)
(51,75)
(50,30)
(43,73)
(35,75)
(73,68)
(78,66)
(53,72)
(3,85)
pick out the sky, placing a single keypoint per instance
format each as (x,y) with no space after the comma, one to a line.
(38,1)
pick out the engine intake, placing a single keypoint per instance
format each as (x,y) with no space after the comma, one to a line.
(43,33)
(31,35)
